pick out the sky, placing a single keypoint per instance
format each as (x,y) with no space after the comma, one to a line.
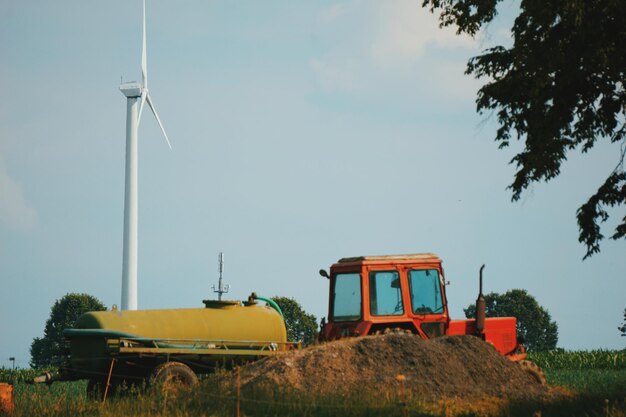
(302,132)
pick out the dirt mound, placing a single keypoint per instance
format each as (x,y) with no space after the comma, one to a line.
(462,367)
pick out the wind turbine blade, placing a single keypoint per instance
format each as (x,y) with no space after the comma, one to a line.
(158,120)
(144,95)
(144,53)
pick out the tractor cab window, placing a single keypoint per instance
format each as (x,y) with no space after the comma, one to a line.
(385,293)
(425,289)
(347,297)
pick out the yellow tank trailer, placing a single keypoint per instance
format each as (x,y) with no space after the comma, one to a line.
(111,347)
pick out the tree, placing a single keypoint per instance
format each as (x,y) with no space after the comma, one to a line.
(48,350)
(560,87)
(533,321)
(623,326)
(300,324)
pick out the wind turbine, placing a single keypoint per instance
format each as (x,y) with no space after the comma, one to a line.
(136,97)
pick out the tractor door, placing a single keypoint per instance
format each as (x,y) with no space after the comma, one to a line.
(428,307)
(386,296)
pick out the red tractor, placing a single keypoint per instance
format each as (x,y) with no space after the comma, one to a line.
(376,294)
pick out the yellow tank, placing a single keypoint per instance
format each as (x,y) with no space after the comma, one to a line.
(226,322)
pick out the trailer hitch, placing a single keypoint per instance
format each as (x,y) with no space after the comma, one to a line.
(48,378)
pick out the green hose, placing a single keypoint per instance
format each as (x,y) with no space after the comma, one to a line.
(272,303)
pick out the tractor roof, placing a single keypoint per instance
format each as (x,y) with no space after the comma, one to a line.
(430,257)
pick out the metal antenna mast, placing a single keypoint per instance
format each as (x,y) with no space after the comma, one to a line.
(221,288)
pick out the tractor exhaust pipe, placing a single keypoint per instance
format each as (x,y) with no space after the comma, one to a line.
(481,306)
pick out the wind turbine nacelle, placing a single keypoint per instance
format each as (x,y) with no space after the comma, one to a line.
(132,89)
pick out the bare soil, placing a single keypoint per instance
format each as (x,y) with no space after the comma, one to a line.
(456,367)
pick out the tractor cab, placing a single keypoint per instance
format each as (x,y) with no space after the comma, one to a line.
(374,294)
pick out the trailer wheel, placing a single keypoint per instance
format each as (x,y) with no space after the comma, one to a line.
(534,371)
(97,386)
(169,374)
(94,389)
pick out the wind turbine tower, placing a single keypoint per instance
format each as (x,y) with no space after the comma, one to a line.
(136,97)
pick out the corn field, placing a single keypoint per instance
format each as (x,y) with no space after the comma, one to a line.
(580,360)
(559,359)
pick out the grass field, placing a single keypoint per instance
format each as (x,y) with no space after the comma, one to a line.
(595,380)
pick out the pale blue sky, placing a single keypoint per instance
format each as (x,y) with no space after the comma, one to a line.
(302,132)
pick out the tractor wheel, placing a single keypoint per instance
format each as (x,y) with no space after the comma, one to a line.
(169,375)
(533,370)
(392,330)
(388,330)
